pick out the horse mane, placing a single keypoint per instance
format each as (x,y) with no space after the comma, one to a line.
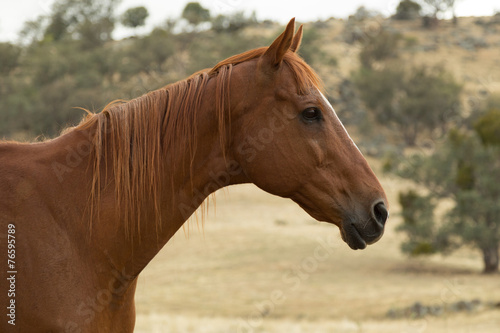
(136,136)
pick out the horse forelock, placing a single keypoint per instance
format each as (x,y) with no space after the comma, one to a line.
(138,135)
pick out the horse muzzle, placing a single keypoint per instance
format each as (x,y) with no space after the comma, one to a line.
(360,233)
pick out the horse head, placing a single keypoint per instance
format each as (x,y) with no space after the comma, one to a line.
(289,141)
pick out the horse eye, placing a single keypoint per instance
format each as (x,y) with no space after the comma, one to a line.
(311,114)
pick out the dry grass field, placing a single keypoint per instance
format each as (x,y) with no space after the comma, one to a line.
(261,264)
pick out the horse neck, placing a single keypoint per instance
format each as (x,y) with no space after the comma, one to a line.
(191,168)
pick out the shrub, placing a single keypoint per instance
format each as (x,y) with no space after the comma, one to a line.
(408,10)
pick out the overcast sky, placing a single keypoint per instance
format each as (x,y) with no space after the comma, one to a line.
(13,13)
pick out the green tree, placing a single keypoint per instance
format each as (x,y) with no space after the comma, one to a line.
(33,30)
(439,6)
(414,102)
(195,14)
(466,171)
(436,7)
(407,10)
(418,223)
(147,54)
(57,27)
(90,21)
(232,22)
(135,17)
(9,57)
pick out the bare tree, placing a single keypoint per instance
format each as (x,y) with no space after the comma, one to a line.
(440,6)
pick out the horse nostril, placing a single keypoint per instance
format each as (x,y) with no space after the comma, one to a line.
(380,213)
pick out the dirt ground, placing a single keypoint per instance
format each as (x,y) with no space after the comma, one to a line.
(261,264)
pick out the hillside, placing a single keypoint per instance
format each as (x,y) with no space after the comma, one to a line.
(469,50)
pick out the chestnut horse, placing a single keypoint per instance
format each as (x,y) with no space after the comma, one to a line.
(89,210)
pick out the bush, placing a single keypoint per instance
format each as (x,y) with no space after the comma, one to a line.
(408,10)
(232,23)
(488,127)
(429,22)
(9,57)
(418,223)
(415,102)
(379,47)
(311,49)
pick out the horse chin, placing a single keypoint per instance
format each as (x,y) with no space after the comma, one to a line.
(356,239)
(350,233)
(352,237)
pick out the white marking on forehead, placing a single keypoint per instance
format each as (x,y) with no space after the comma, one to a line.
(327,102)
(340,122)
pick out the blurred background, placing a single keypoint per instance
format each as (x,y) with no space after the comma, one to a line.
(417,84)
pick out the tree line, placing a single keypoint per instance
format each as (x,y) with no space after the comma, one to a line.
(68,59)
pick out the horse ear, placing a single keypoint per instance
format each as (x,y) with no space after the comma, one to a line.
(275,53)
(297,39)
